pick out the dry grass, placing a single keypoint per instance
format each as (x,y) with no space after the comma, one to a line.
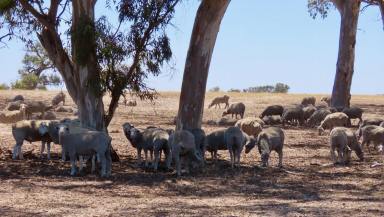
(303,188)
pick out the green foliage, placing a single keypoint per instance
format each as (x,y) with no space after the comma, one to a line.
(278,88)
(6,5)
(26,82)
(214,89)
(83,37)
(281,88)
(4,86)
(233,90)
(319,7)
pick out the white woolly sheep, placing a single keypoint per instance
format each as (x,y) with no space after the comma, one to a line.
(249,126)
(60,97)
(234,139)
(337,119)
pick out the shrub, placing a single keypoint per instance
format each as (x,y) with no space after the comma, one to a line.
(234,90)
(214,89)
(4,86)
(26,82)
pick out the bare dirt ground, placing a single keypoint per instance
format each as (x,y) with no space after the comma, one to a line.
(307,186)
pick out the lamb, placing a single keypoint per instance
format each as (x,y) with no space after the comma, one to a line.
(249,126)
(199,135)
(34,107)
(308,111)
(272,120)
(337,119)
(317,117)
(14,105)
(234,139)
(183,149)
(29,130)
(270,139)
(353,112)
(308,101)
(13,116)
(152,140)
(60,97)
(235,109)
(215,141)
(326,99)
(272,110)
(218,100)
(87,144)
(292,115)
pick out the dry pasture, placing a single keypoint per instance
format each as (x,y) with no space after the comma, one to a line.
(307,186)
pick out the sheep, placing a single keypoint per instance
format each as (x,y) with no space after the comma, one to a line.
(13,116)
(64,109)
(249,126)
(183,150)
(29,130)
(326,99)
(224,121)
(215,141)
(86,144)
(272,110)
(354,144)
(49,116)
(153,140)
(16,98)
(317,117)
(353,112)
(235,109)
(272,120)
(60,97)
(337,119)
(339,142)
(199,135)
(14,105)
(292,115)
(34,107)
(131,103)
(382,124)
(234,139)
(371,121)
(270,139)
(308,111)
(371,133)
(308,101)
(218,100)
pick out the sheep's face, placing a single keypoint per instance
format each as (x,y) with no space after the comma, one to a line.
(320,130)
(43,129)
(250,145)
(62,129)
(127,127)
(264,151)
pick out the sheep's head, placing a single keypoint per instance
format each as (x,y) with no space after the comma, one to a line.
(320,130)
(62,129)
(251,143)
(134,136)
(126,128)
(43,129)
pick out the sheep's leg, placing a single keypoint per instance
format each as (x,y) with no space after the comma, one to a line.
(168,157)
(73,165)
(49,150)
(151,155)
(146,157)
(42,149)
(157,159)
(231,156)
(20,153)
(109,161)
(178,164)
(93,169)
(333,156)
(139,156)
(16,151)
(81,163)
(280,159)
(103,161)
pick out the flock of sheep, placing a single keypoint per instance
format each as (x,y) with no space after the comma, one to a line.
(186,148)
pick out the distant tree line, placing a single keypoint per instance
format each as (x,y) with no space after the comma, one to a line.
(278,88)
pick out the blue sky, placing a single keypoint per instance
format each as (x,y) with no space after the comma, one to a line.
(264,42)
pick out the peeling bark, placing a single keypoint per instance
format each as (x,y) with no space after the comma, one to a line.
(349,12)
(204,34)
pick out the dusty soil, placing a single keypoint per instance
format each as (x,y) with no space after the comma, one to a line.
(307,185)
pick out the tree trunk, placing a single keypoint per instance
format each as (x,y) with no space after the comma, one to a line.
(349,11)
(205,30)
(89,99)
(381,5)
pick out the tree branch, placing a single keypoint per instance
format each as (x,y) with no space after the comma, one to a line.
(53,10)
(338,4)
(40,17)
